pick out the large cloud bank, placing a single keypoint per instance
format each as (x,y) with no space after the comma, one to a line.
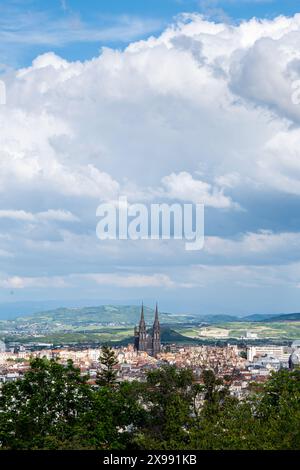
(205,112)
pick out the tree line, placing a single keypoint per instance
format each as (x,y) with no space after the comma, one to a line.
(54,407)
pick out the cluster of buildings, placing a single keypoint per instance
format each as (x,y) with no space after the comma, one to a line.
(238,367)
(228,362)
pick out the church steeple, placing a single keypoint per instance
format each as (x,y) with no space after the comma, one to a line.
(156,334)
(142,320)
(156,320)
(142,332)
(145,341)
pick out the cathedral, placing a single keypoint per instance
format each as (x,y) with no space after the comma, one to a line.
(144,341)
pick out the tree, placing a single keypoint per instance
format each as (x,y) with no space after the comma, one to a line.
(53,407)
(41,409)
(279,410)
(214,389)
(108,375)
(243,354)
(167,396)
(266,420)
(114,417)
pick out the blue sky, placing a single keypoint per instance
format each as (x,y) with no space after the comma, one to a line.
(76,29)
(161,101)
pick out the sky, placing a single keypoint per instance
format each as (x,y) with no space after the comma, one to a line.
(77,29)
(178,101)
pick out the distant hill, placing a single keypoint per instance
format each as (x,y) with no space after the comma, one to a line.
(284,317)
(256,317)
(105,314)
(260,317)
(82,316)
(170,336)
(167,336)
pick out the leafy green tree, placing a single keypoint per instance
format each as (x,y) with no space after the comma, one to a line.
(267,420)
(41,409)
(243,354)
(115,415)
(167,396)
(53,407)
(283,385)
(108,374)
(279,410)
(213,387)
(214,391)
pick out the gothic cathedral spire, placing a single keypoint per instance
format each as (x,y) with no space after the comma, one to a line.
(156,320)
(142,320)
(156,334)
(142,332)
(144,341)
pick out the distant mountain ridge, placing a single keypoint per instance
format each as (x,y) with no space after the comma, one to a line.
(225,318)
(120,314)
(284,317)
(256,317)
(105,314)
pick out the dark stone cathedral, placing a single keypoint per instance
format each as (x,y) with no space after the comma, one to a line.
(144,341)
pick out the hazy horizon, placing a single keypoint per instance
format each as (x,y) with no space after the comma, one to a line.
(11,310)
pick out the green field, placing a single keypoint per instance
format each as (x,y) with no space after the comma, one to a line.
(263,330)
(105,335)
(284,331)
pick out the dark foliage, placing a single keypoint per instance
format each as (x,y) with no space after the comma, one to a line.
(53,407)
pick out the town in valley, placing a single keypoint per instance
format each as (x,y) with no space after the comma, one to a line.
(239,365)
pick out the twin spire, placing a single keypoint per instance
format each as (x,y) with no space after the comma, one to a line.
(145,340)
(156,319)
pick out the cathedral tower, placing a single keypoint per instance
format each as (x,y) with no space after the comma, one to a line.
(156,334)
(144,341)
(142,332)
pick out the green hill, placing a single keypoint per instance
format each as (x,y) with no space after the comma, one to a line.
(284,317)
(104,314)
(170,336)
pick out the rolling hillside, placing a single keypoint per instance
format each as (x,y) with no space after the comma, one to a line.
(104,314)
(287,317)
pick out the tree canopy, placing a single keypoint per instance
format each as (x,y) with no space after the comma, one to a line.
(54,407)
